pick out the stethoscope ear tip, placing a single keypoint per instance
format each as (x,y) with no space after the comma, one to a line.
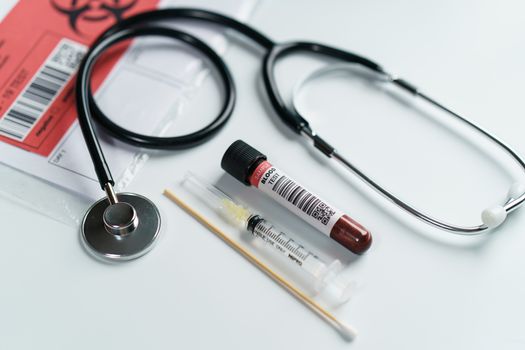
(494,216)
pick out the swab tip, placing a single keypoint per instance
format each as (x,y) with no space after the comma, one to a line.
(347,331)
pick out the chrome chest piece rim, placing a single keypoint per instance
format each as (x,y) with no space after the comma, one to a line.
(121,231)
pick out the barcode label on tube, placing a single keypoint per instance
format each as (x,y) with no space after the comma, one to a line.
(40,92)
(303,199)
(299,200)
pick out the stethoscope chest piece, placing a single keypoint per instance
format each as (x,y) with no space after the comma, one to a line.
(124,230)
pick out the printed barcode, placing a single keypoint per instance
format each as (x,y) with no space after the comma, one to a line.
(40,92)
(303,199)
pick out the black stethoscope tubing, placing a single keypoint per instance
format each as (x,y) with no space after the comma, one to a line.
(141,25)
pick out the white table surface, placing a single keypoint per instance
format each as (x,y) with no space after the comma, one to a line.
(418,288)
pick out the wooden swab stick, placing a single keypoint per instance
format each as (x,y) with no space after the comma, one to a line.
(347,331)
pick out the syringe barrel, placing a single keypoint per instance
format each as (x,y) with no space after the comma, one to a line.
(281,242)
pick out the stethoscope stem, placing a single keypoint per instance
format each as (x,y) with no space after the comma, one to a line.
(110,193)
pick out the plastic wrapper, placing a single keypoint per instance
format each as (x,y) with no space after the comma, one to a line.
(146,91)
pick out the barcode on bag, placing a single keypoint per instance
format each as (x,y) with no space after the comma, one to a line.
(303,199)
(40,92)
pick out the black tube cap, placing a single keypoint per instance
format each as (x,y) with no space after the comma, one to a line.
(240,160)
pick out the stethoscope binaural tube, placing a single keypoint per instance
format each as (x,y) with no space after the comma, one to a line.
(491,217)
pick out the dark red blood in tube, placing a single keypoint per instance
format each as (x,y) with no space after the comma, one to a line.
(351,235)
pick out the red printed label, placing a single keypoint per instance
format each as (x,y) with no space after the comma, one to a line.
(255,178)
(41,45)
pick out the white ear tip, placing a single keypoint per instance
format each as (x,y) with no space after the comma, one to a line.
(493,217)
(516,190)
(347,331)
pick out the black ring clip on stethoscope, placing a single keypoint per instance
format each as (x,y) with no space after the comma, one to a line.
(124,226)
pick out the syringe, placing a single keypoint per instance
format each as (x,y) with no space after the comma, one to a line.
(325,277)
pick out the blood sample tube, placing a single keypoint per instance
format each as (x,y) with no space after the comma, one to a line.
(250,167)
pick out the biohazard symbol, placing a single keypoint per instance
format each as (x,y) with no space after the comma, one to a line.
(92,10)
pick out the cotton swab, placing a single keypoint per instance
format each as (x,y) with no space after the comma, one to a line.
(345,330)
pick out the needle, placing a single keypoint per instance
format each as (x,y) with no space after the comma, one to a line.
(347,331)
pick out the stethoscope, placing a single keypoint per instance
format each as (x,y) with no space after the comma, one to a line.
(125,226)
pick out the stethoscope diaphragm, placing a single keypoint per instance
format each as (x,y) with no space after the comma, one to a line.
(121,231)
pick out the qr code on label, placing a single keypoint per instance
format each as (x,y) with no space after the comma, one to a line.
(323,213)
(68,55)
